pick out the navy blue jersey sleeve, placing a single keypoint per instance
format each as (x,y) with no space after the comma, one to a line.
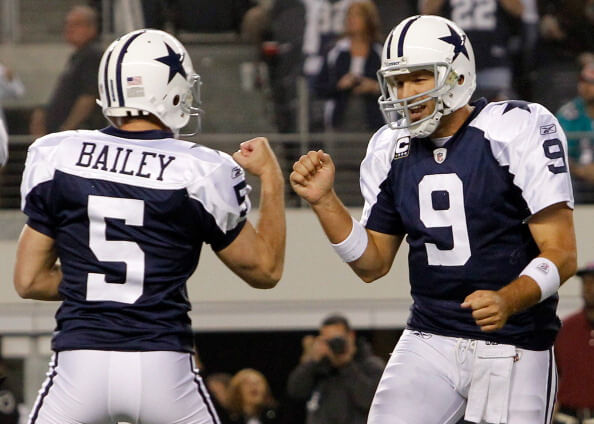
(36,186)
(212,233)
(383,216)
(38,210)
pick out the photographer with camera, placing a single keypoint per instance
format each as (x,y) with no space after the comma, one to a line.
(337,376)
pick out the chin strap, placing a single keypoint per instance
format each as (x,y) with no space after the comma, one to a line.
(426,128)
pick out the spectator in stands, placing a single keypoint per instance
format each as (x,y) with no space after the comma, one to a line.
(567,28)
(282,53)
(574,350)
(209,16)
(218,387)
(578,115)
(10,86)
(348,77)
(72,103)
(523,50)
(324,24)
(566,32)
(250,400)
(490,34)
(337,375)
(9,413)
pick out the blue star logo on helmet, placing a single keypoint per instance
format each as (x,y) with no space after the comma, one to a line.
(458,42)
(174,61)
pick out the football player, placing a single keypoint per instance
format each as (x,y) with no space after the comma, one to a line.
(483,195)
(126,210)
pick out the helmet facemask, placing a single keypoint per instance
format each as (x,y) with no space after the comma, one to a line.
(190,105)
(396,110)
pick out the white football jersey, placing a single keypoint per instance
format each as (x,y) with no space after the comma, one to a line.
(129,212)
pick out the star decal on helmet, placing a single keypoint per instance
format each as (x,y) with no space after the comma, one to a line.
(519,104)
(458,42)
(174,61)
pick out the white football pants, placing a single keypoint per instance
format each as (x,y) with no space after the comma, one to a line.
(428,379)
(104,387)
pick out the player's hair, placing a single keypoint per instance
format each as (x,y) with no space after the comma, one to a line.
(336,319)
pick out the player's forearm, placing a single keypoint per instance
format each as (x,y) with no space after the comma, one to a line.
(524,292)
(565,260)
(36,274)
(43,286)
(337,223)
(370,266)
(271,226)
(334,217)
(520,294)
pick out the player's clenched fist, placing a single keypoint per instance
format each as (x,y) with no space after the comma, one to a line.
(256,157)
(313,176)
(490,310)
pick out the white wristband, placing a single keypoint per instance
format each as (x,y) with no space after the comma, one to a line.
(546,275)
(352,248)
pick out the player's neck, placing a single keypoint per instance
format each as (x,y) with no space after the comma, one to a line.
(141,125)
(450,124)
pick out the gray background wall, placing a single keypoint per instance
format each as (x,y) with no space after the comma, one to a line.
(315,282)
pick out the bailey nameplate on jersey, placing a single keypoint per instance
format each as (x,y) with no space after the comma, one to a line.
(115,159)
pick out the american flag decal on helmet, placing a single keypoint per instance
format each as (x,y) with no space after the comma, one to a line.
(137,80)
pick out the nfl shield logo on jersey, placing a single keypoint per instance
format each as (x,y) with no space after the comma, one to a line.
(440,154)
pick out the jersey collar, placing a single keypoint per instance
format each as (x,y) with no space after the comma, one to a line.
(479,105)
(141,135)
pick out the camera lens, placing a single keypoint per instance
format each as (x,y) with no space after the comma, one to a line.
(338,345)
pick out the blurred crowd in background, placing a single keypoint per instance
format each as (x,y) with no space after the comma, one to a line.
(535,50)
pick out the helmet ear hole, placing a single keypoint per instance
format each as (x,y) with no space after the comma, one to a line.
(176,100)
(461,80)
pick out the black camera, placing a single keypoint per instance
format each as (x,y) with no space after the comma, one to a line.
(338,345)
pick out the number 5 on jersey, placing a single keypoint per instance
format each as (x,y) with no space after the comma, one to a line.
(132,212)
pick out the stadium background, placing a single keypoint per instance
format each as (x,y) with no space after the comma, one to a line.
(236,326)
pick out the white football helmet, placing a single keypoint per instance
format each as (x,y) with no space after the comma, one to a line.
(428,43)
(149,72)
